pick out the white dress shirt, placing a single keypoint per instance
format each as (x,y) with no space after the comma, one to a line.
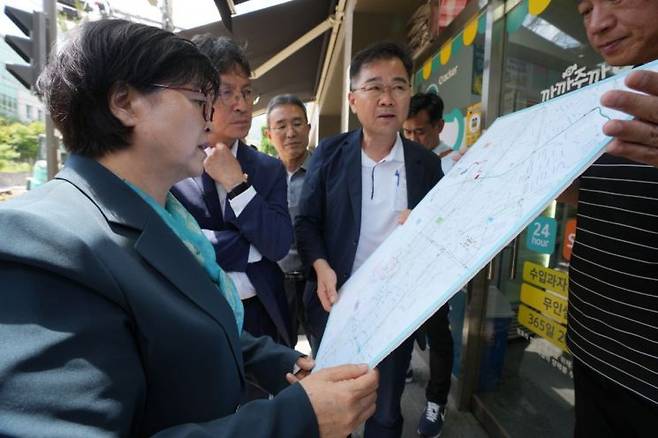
(242,283)
(383,198)
(448,160)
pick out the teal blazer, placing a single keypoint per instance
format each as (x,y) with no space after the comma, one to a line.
(110,327)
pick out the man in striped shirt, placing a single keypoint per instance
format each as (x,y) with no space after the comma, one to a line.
(613,290)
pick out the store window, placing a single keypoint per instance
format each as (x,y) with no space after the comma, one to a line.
(526,380)
(455,73)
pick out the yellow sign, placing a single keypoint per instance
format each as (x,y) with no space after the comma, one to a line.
(427,69)
(546,328)
(471,31)
(445,52)
(551,279)
(536,7)
(473,123)
(548,303)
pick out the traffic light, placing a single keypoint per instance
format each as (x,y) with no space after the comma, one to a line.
(32,49)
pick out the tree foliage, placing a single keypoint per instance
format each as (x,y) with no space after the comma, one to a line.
(7,155)
(265,145)
(19,142)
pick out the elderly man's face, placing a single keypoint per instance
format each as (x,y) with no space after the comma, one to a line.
(288,131)
(232,119)
(624,32)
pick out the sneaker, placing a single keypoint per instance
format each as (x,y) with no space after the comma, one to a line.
(409,375)
(431,422)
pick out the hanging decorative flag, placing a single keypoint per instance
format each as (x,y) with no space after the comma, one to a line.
(536,7)
(471,31)
(427,68)
(445,52)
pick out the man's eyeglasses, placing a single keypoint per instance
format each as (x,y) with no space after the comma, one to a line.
(204,100)
(376,90)
(228,96)
(296,125)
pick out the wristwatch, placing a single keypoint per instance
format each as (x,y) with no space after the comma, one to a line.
(240,188)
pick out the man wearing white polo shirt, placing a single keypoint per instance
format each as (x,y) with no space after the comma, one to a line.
(359,187)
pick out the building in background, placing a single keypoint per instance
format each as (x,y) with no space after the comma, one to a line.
(16,102)
(493,59)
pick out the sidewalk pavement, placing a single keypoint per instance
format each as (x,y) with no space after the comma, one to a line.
(457,425)
(11,192)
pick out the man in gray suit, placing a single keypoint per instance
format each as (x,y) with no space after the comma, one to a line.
(287,130)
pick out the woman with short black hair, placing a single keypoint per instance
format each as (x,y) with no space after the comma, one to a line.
(115,319)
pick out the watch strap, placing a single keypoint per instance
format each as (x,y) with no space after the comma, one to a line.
(239,189)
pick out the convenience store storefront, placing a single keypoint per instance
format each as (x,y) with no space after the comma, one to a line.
(512,368)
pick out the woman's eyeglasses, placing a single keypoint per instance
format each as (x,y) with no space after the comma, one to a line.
(203,99)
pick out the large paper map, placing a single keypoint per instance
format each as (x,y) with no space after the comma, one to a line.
(508,177)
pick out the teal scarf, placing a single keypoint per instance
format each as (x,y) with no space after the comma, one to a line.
(187,229)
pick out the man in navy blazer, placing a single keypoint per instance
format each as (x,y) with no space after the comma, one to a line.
(233,236)
(240,201)
(359,187)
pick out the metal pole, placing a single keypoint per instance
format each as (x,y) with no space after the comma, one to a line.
(167,16)
(348,23)
(50,11)
(292,48)
(478,288)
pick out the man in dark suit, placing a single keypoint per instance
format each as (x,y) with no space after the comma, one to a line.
(359,187)
(240,200)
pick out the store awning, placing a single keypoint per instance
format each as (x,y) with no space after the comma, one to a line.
(270,34)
